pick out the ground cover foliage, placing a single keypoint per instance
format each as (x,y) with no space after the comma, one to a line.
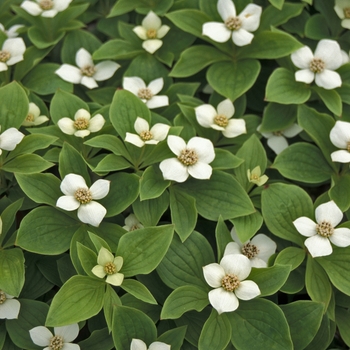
(174,174)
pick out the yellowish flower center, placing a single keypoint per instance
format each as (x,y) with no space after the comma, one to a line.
(83,195)
(134,227)
(250,250)
(233,23)
(325,229)
(348,146)
(56,343)
(230,282)
(151,33)
(221,120)
(88,71)
(254,177)
(81,123)
(146,135)
(110,268)
(277,133)
(4,56)
(317,65)
(2,297)
(46,4)
(30,117)
(346,12)
(188,157)
(145,94)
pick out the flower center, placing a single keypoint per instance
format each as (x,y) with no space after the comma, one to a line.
(4,56)
(325,229)
(254,177)
(250,250)
(30,117)
(134,227)
(230,282)
(151,33)
(277,133)
(317,65)
(56,343)
(81,123)
(83,195)
(188,157)
(110,268)
(88,71)
(46,4)
(347,12)
(221,120)
(348,146)
(145,94)
(146,135)
(2,297)
(233,23)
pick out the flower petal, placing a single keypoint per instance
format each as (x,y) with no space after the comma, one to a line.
(71,182)
(226,108)
(223,301)
(89,82)
(16,47)
(160,131)
(232,248)
(247,290)
(330,53)
(226,9)
(96,123)
(61,5)
(10,309)
(40,335)
(134,139)
(50,13)
(83,58)
(162,31)
(141,125)
(91,213)
(305,226)
(341,237)
(330,212)
(200,171)
(157,345)
(99,271)
(133,84)
(242,37)
(257,263)
(203,147)
(292,131)
(216,31)
(156,85)
(158,101)
(318,246)
(152,45)
(141,32)
(66,125)
(176,144)
(173,169)
(118,262)
(31,7)
(340,134)
(68,203)
(341,156)
(250,17)
(235,128)
(10,138)
(69,73)
(104,256)
(213,274)
(205,115)
(328,79)
(265,245)
(100,189)
(68,333)
(70,346)
(82,133)
(304,76)
(151,21)
(277,143)
(302,58)
(116,279)
(105,70)
(236,264)
(138,344)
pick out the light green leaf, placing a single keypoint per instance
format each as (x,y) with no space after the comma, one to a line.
(138,290)
(174,337)
(331,99)
(111,162)
(340,185)
(152,183)
(292,256)
(87,258)
(27,164)
(109,142)
(343,323)
(223,237)
(247,226)
(117,49)
(8,216)
(225,159)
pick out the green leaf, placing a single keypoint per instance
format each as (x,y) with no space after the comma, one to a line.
(277,3)
(138,290)
(303,162)
(184,299)
(111,162)
(27,164)
(233,79)
(331,99)
(143,249)
(109,142)
(286,117)
(282,88)
(152,183)
(324,335)
(223,237)
(340,185)
(174,337)
(315,27)
(247,226)
(8,217)
(225,159)
(87,258)
(292,256)
(343,323)
(99,339)
(80,298)
(117,49)
(111,300)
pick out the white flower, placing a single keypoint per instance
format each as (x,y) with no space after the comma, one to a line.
(82,125)
(138,344)
(61,340)
(342,8)
(11,52)
(148,93)
(340,137)
(157,133)
(33,116)
(79,196)
(238,27)
(9,307)
(220,119)
(9,139)
(321,234)
(255,177)
(258,250)
(151,31)
(110,266)
(228,280)
(319,66)
(45,8)
(277,140)
(192,159)
(87,74)
(12,31)
(132,223)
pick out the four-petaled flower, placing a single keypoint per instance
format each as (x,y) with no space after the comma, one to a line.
(342,8)
(147,93)
(11,52)
(157,133)
(258,250)
(110,266)
(132,223)
(319,66)
(79,196)
(9,139)
(87,74)
(255,177)
(82,125)
(138,344)
(220,119)
(322,232)
(12,31)
(340,137)
(228,280)
(45,8)
(61,340)
(192,159)
(238,27)
(33,117)
(9,307)
(151,31)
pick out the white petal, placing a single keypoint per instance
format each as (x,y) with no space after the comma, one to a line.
(213,274)
(134,139)
(115,279)
(205,115)
(330,212)
(330,53)
(99,271)
(105,70)
(235,237)
(232,248)
(156,85)
(89,82)
(305,226)
(157,345)
(345,23)
(304,76)
(203,147)
(247,290)
(131,221)
(137,344)
(10,309)
(50,13)
(160,131)
(82,133)
(68,333)
(216,31)
(236,264)
(173,169)
(34,109)
(68,203)
(69,73)
(141,32)
(61,5)
(100,189)
(302,57)
(266,246)
(223,301)
(3,66)
(340,134)
(242,37)
(226,9)
(341,237)
(292,131)
(235,128)
(250,17)
(151,21)
(96,123)
(10,138)
(91,213)
(118,262)
(40,335)
(341,156)
(83,58)
(277,143)
(71,183)
(70,346)
(258,263)
(226,108)
(104,256)
(31,7)
(328,79)
(158,101)
(141,125)
(152,45)
(162,31)
(200,171)
(82,113)
(67,126)
(133,84)
(318,246)
(15,46)
(176,144)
